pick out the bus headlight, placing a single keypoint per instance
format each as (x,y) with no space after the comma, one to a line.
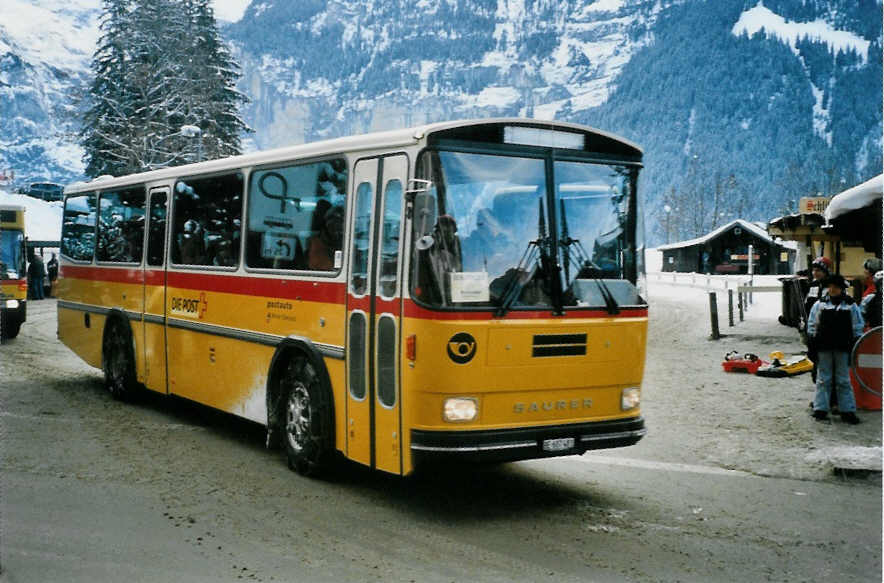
(12,304)
(629,398)
(460,409)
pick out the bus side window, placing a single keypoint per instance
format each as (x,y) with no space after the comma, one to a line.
(78,227)
(387,272)
(361,238)
(296,216)
(207,220)
(121,225)
(156,233)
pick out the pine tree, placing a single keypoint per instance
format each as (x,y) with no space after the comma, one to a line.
(213,76)
(106,120)
(160,65)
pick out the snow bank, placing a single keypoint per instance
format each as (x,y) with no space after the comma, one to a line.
(762,18)
(42,219)
(848,457)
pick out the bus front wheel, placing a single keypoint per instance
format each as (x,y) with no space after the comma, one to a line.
(9,327)
(307,418)
(118,360)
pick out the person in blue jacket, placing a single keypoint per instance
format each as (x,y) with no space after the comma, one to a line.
(834,324)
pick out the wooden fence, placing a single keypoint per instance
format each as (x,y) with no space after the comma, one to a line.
(744,286)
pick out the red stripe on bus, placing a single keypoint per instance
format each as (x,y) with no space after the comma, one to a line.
(413,310)
(311,291)
(111,274)
(154,277)
(330,292)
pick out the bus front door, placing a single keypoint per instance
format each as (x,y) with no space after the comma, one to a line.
(374,310)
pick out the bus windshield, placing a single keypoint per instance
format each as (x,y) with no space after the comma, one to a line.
(485,236)
(11,257)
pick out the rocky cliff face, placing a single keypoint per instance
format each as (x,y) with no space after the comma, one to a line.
(318,69)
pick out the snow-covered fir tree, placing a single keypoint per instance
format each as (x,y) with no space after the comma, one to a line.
(160,65)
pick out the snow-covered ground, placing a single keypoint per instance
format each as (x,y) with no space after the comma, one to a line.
(42,219)
(736,421)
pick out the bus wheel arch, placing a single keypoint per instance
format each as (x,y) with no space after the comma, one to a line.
(300,407)
(118,356)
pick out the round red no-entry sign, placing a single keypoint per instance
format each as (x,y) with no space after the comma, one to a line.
(865,361)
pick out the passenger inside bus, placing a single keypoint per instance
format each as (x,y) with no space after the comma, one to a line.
(190,243)
(327,236)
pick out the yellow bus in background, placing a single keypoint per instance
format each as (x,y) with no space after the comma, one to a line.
(13,271)
(463,290)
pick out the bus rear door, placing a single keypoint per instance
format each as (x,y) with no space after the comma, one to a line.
(155,292)
(374,309)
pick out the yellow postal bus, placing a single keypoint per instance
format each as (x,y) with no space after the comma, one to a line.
(13,273)
(463,290)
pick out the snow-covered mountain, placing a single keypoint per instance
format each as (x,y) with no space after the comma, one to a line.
(317,68)
(783,94)
(45,51)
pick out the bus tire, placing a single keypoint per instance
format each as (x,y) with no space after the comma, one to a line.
(118,360)
(306,417)
(10,327)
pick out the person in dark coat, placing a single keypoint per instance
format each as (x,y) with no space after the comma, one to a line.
(36,275)
(834,325)
(819,270)
(52,272)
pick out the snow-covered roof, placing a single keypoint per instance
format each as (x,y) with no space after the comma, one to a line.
(855,198)
(373,141)
(751,227)
(42,219)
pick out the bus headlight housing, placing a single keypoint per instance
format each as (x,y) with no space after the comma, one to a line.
(629,398)
(12,304)
(458,409)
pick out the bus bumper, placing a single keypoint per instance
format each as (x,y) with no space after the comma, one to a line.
(499,445)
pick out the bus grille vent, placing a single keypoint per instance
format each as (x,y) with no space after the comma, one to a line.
(559,345)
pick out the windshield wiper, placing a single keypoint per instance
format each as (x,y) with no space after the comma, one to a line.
(574,251)
(537,249)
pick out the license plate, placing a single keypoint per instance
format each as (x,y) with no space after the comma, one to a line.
(560,444)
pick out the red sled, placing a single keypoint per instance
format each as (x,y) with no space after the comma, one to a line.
(747,363)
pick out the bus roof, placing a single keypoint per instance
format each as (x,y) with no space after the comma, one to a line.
(12,207)
(362,142)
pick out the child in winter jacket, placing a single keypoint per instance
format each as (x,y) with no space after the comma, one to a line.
(834,324)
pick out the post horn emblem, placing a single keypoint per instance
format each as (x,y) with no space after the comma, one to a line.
(461,348)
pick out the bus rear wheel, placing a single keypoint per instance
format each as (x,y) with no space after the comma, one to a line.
(307,418)
(118,361)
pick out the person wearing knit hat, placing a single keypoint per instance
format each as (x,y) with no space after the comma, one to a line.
(871,266)
(819,269)
(871,303)
(834,324)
